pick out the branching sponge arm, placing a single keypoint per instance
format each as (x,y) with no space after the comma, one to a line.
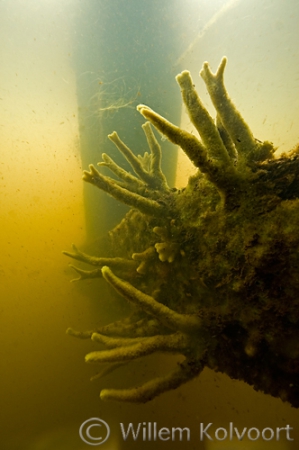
(165,315)
(129,349)
(145,205)
(183,373)
(219,168)
(156,155)
(230,117)
(202,121)
(130,157)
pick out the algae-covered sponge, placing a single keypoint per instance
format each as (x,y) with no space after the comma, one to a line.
(212,270)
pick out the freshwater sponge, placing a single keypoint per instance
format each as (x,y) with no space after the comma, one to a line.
(211,270)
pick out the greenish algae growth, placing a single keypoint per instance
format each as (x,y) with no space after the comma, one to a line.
(212,269)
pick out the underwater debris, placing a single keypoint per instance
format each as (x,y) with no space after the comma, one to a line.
(211,270)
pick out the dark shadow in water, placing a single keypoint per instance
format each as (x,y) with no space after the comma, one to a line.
(123,55)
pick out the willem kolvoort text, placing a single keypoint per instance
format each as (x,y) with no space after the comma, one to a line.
(150,431)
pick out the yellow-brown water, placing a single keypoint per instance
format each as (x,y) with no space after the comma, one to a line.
(45,389)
